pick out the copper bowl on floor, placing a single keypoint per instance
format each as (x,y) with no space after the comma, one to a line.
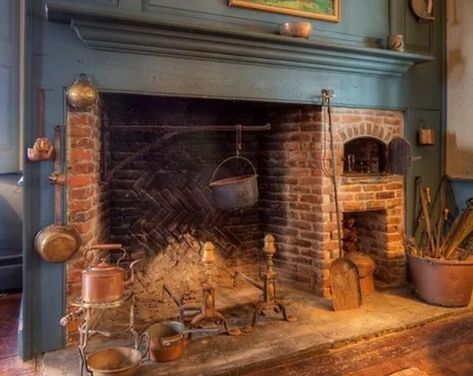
(116,361)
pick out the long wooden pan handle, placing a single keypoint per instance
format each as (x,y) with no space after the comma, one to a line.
(107,246)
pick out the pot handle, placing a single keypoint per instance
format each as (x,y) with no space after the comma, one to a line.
(107,246)
(132,265)
(170,342)
(202,330)
(104,247)
(212,179)
(146,337)
(72,316)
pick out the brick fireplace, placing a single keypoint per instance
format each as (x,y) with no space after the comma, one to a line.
(159,205)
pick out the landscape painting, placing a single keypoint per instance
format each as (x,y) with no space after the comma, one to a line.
(328,10)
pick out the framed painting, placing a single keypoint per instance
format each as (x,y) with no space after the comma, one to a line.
(327,10)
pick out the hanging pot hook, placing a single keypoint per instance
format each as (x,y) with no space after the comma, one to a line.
(238,139)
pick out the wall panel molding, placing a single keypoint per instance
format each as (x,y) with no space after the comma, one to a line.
(163,38)
(9,126)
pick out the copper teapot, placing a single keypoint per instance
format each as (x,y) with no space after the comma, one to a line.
(104,282)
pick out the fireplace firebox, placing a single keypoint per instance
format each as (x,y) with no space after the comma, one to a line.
(157,202)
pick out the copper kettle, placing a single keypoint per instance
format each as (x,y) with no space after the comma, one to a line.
(104,282)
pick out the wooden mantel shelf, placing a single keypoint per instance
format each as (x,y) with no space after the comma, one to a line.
(119,32)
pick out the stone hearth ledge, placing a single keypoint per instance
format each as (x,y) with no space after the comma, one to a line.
(317,330)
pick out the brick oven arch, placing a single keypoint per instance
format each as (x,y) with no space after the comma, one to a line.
(379,124)
(368,136)
(353,132)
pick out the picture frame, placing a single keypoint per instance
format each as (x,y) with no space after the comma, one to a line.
(326,10)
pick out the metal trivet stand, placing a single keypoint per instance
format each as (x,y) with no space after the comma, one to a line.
(206,312)
(268,301)
(85,309)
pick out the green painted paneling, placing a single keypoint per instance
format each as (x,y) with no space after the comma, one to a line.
(429,164)
(58,56)
(418,34)
(9,124)
(349,30)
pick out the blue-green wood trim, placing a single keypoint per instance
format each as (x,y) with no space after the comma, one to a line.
(9,83)
(43,283)
(25,330)
(118,33)
(218,13)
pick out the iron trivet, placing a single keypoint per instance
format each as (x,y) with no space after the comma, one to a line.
(85,309)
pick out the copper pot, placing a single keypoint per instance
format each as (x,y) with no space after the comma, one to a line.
(167,340)
(105,282)
(426,136)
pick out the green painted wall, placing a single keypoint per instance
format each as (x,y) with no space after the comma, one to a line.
(58,56)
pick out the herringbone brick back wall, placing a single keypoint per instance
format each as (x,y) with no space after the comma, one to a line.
(164,195)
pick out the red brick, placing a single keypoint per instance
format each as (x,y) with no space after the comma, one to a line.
(81,118)
(385,195)
(351,188)
(392,121)
(80,155)
(79,205)
(80,193)
(373,188)
(364,196)
(80,131)
(314,199)
(351,119)
(390,186)
(82,168)
(299,206)
(82,142)
(79,180)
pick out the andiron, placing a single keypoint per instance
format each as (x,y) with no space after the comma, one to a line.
(269,300)
(207,310)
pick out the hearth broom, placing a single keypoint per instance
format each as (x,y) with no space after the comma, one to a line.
(345,285)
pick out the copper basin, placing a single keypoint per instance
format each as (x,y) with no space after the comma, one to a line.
(442,282)
(116,361)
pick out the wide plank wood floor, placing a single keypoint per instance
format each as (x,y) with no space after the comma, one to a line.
(441,348)
(10,363)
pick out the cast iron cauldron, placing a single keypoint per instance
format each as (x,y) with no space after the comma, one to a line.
(235,192)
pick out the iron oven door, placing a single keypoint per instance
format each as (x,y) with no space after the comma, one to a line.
(398,157)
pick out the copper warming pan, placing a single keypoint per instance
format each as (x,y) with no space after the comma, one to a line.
(103,282)
(57,242)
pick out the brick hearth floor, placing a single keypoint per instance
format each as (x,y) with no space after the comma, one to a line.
(392,331)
